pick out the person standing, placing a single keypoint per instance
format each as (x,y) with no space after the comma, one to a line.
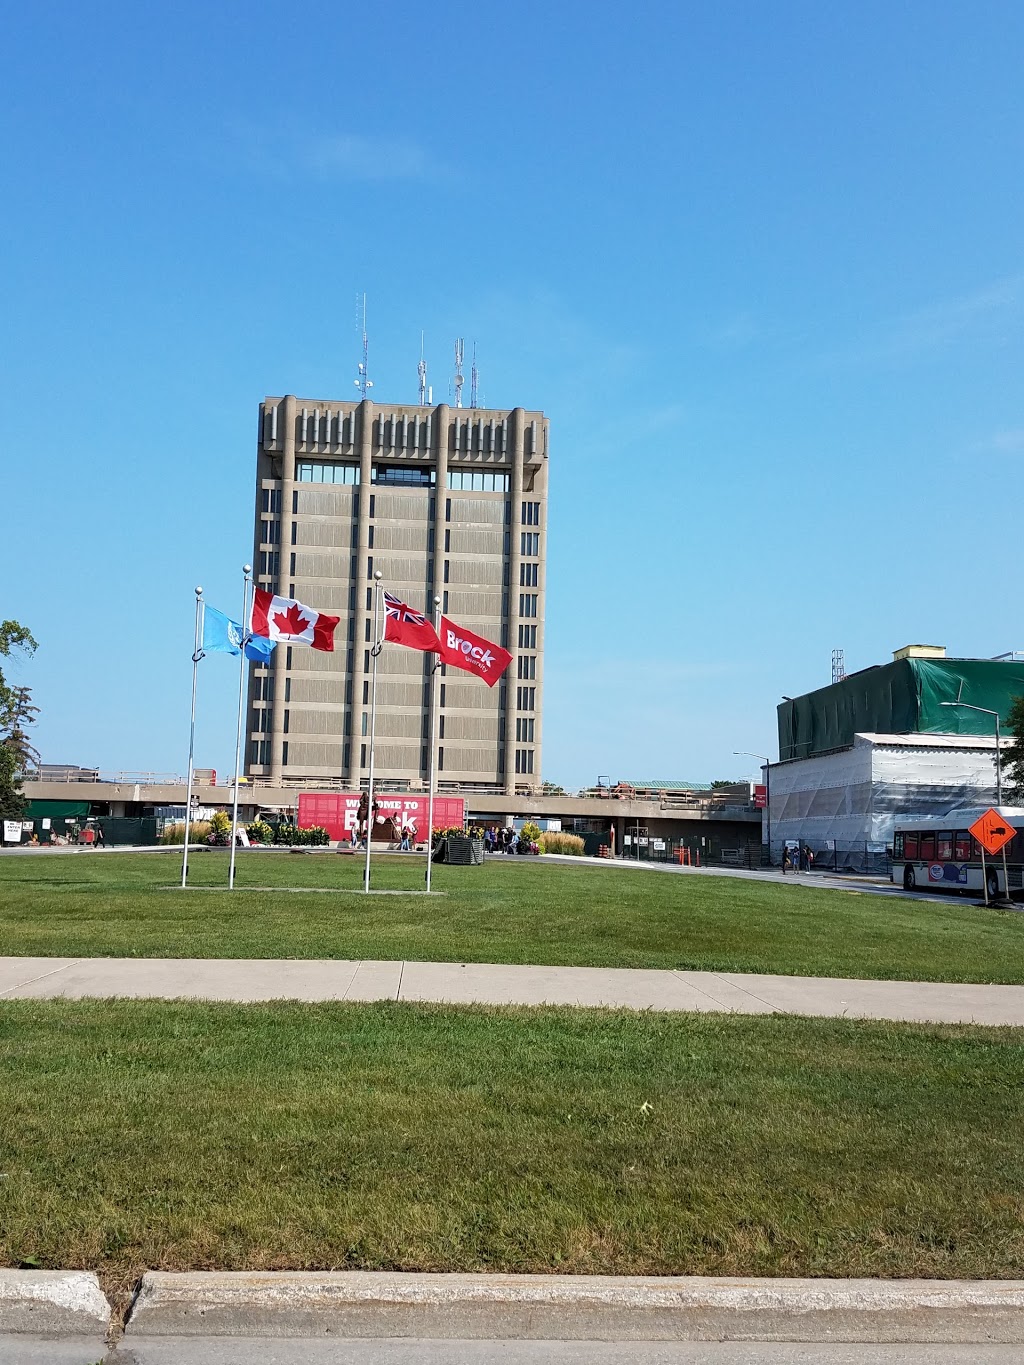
(787,859)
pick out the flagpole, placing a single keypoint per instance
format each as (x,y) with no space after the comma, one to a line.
(246,572)
(197,654)
(373,725)
(432,730)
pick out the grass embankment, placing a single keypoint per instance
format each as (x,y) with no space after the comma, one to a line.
(508,911)
(180,1136)
(511,910)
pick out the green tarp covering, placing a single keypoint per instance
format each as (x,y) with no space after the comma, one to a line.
(57,810)
(901,698)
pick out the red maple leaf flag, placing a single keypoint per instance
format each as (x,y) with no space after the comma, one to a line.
(282,618)
(403,626)
(462,649)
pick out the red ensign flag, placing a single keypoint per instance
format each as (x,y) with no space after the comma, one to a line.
(462,649)
(403,626)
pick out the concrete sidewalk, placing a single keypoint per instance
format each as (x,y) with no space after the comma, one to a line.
(245,980)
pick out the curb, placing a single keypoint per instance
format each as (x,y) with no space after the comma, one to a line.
(57,1303)
(378,1304)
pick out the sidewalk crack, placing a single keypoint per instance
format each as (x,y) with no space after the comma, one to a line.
(41,977)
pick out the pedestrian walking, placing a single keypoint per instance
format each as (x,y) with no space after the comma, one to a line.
(787,860)
(100,839)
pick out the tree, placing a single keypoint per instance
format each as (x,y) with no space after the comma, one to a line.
(22,713)
(14,638)
(551,789)
(16,711)
(1013,758)
(12,803)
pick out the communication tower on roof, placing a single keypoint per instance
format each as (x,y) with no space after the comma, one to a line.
(474,382)
(838,666)
(460,352)
(364,381)
(426,394)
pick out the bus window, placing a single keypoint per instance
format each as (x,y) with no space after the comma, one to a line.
(897,846)
(928,847)
(975,851)
(944,847)
(962,846)
(910,847)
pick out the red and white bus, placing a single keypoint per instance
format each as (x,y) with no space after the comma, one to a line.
(939,853)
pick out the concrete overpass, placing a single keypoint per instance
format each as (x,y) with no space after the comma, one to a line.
(708,819)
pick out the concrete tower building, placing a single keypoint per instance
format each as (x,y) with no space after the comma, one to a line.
(444,502)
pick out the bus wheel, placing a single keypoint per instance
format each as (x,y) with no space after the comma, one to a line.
(909,880)
(993,886)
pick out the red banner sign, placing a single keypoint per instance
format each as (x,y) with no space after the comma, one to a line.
(338,813)
(760,797)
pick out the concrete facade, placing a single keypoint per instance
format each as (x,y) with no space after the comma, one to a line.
(442,502)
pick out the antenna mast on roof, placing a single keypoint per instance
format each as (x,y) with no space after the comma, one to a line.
(474,382)
(364,381)
(460,352)
(838,666)
(421,370)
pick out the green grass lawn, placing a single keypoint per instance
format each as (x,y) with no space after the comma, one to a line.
(511,910)
(394,1136)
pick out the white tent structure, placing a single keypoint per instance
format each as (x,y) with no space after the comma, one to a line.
(844,803)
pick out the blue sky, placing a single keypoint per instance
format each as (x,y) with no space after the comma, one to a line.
(761,265)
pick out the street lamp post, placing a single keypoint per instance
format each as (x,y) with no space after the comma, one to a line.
(746,753)
(987,711)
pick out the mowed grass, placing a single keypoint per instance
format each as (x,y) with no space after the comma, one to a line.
(174,1136)
(511,910)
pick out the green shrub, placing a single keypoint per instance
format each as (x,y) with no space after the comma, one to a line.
(315,836)
(556,842)
(220,829)
(531,832)
(260,832)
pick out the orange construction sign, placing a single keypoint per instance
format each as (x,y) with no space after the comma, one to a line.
(992,831)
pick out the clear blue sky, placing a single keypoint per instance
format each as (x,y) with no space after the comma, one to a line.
(762,265)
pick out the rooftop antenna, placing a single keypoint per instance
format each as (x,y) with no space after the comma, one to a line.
(460,352)
(838,666)
(474,382)
(421,370)
(364,381)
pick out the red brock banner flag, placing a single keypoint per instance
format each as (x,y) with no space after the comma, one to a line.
(462,649)
(403,626)
(282,618)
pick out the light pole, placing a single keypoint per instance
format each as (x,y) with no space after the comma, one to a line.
(987,711)
(746,753)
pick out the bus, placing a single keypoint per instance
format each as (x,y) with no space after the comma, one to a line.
(938,853)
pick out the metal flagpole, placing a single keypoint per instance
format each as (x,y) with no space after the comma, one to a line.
(246,572)
(432,731)
(375,651)
(197,654)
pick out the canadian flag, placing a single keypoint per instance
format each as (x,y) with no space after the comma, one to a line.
(462,649)
(282,618)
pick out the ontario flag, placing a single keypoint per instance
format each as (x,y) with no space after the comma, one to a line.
(403,626)
(282,618)
(460,648)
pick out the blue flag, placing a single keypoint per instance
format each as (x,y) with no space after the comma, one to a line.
(221,635)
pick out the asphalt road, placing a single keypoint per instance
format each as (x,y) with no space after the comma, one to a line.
(16,1350)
